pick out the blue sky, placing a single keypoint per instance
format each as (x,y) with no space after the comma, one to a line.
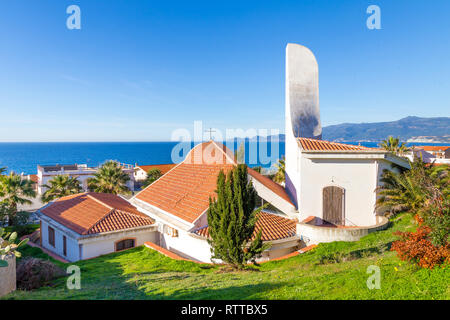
(137,70)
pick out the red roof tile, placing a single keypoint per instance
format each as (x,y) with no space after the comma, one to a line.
(433,148)
(322,145)
(274,227)
(268,183)
(185,191)
(90,213)
(164,168)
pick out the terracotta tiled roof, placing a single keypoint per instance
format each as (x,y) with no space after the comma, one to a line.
(90,213)
(34,178)
(322,145)
(185,191)
(274,227)
(433,148)
(164,168)
(268,183)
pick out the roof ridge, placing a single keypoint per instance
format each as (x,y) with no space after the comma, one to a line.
(133,214)
(116,211)
(89,194)
(111,209)
(99,221)
(225,153)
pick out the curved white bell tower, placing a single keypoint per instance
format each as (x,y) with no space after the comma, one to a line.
(302,109)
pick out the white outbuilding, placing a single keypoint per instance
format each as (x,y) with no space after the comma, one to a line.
(88,225)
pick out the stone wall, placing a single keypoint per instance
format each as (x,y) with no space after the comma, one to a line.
(8,275)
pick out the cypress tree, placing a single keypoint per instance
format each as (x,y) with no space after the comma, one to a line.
(232,217)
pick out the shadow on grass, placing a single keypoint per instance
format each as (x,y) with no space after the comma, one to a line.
(237,292)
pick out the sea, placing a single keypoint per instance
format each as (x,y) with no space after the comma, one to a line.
(24,157)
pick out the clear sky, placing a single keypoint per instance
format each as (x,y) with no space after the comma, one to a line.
(137,70)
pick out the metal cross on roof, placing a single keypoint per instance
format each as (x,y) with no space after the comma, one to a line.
(210,131)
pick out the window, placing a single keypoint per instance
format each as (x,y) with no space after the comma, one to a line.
(51,236)
(64,245)
(124,244)
(172,232)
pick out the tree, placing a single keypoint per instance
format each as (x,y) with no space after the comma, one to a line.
(60,186)
(15,191)
(393,145)
(422,191)
(240,153)
(280,176)
(109,178)
(232,218)
(152,176)
(257,169)
(406,190)
(2,170)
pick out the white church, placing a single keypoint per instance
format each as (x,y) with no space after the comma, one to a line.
(329,194)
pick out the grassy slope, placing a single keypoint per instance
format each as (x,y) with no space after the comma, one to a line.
(141,273)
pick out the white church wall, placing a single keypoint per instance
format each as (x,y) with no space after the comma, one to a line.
(358,178)
(187,246)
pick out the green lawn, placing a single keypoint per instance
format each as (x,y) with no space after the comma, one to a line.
(331,271)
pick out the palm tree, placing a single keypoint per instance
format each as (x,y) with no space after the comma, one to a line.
(152,176)
(393,145)
(400,192)
(109,178)
(2,170)
(14,191)
(60,186)
(281,172)
(408,190)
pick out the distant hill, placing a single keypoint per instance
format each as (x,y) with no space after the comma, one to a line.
(411,129)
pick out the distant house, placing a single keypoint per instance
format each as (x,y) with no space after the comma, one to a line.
(80,171)
(439,152)
(87,225)
(140,171)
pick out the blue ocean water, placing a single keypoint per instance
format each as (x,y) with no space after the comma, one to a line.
(24,157)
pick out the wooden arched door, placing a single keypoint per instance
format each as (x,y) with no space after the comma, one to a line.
(333,205)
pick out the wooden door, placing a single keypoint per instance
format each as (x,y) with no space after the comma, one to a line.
(333,205)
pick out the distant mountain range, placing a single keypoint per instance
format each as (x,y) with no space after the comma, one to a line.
(409,129)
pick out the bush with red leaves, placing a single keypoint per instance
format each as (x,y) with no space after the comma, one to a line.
(418,247)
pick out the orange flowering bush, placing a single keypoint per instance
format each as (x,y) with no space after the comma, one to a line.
(417,247)
(427,195)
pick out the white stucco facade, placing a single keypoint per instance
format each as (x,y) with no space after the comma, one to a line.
(79,171)
(81,247)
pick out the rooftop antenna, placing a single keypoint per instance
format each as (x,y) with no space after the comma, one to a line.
(210,131)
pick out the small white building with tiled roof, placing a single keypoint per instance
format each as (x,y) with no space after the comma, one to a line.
(88,225)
